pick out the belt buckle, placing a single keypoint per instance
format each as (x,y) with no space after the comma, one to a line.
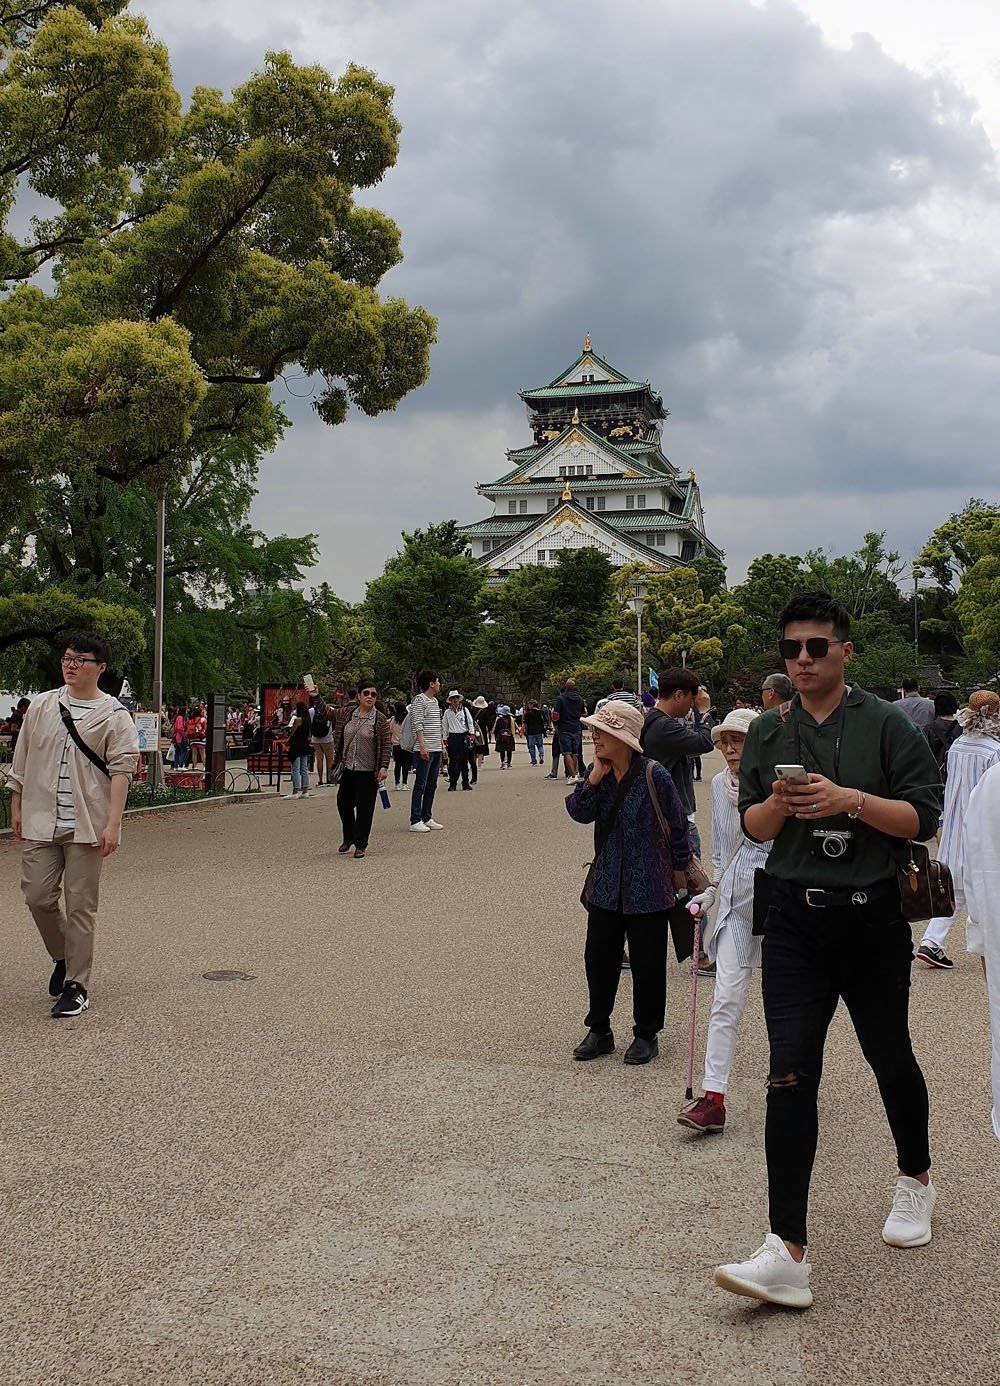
(815,904)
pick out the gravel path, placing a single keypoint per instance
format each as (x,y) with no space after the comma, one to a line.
(375,1162)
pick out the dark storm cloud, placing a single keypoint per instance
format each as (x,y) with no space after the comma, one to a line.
(795,243)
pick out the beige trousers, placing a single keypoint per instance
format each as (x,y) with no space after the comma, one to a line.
(324,757)
(75,867)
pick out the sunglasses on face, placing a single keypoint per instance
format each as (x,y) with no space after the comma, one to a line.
(369,693)
(74,661)
(816,647)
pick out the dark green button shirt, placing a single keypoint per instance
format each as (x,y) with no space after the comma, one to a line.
(881,752)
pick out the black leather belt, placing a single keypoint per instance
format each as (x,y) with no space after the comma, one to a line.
(882,892)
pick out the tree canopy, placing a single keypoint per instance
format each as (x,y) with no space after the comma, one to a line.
(541,618)
(189,259)
(426,609)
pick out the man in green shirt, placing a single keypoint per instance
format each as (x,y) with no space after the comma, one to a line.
(834,927)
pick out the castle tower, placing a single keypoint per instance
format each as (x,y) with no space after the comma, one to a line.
(594,476)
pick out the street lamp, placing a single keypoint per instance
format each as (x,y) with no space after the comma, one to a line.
(637,602)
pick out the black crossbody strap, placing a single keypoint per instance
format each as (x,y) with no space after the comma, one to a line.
(81,745)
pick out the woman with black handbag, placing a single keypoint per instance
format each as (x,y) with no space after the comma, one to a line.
(632,882)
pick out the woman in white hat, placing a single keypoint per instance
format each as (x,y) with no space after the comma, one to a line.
(736,952)
(482,747)
(630,887)
(459,727)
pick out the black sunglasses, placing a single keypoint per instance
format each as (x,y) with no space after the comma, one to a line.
(369,692)
(816,647)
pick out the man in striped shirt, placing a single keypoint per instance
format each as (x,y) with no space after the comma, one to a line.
(68,785)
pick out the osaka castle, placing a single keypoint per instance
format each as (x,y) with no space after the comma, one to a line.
(595,475)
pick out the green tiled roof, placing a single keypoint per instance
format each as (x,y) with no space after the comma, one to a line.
(598,387)
(525,456)
(589,355)
(577,483)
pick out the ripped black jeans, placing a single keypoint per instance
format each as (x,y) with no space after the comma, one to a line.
(811,958)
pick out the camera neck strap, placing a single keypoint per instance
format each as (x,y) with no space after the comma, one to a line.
(793,716)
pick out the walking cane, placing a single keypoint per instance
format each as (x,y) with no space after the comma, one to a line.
(693,1016)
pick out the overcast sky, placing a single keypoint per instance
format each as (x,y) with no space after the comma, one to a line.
(785,215)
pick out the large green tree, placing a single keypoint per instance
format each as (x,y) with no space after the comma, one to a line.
(963,558)
(542,618)
(427,607)
(188,260)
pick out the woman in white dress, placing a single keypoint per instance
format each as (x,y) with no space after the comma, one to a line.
(976,751)
(732,945)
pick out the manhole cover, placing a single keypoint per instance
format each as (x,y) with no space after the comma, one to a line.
(228,975)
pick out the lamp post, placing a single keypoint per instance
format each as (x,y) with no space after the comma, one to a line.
(917,575)
(637,602)
(155,760)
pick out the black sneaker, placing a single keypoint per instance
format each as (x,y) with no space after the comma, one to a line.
(58,979)
(72,1002)
(933,956)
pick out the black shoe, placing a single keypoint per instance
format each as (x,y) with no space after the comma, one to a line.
(452,788)
(58,979)
(466,786)
(640,1051)
(551,777)
(345,846)
(72,1002)
(932,956)
(626,965)
(594,1045)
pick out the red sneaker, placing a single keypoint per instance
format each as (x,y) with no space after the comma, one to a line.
(704,1116)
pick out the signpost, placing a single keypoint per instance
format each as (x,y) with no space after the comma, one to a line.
(215,740)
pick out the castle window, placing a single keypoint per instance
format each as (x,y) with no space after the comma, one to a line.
(590,502)
(661,539)
(689,549)
(640,502)
(590,470)
(630,502)
(587,379)
(550,502)
(523,507)
(600,502)
(512,507)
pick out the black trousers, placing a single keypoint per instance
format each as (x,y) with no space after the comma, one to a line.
(401,760)
(647,936)
(812,958)
(458,759)
(356,805)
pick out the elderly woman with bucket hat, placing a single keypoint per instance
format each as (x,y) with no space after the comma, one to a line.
(733,947)
(630,887)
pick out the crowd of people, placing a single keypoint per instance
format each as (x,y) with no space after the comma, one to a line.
(816,818)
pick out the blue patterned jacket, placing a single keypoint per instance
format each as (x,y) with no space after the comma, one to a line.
(634,870)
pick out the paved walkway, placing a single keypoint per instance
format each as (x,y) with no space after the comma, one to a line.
(375,1163)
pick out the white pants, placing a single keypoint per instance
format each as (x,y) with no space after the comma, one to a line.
(732,986)
(937,929)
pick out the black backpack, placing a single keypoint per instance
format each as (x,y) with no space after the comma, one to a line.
(320,725)
(940,742)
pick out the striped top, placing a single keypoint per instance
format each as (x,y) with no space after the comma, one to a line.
(65,807)
(969,758)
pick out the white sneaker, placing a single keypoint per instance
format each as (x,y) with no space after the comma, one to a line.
(909,1223)
(306,794)
(294,795)
(770,1275)
(436,826)
(419,828)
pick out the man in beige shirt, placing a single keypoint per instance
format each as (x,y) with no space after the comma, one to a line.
(72,767)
